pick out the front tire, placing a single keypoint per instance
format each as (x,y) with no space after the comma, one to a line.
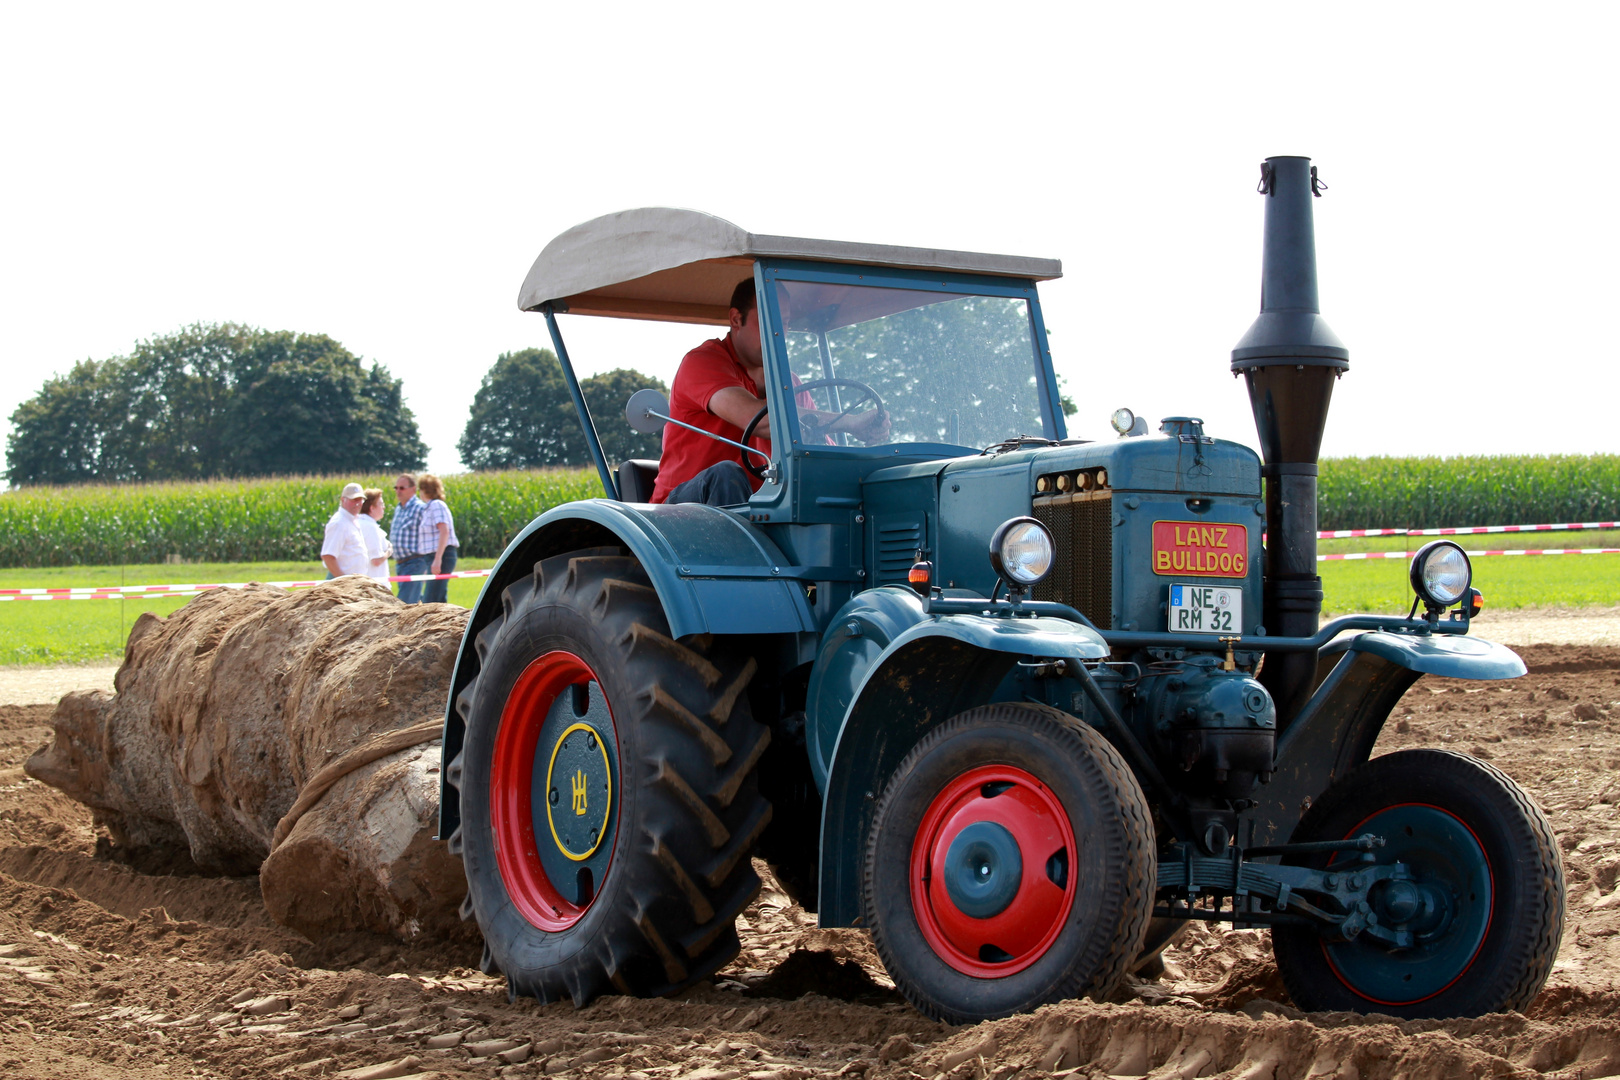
(609,802)
(1477,844)
(1010,863)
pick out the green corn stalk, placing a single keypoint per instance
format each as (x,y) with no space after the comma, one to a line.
(270,520)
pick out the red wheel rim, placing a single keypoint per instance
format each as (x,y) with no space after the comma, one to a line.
(1011,940)
(512,780)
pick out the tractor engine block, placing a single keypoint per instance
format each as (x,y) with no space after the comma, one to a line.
(1216,728)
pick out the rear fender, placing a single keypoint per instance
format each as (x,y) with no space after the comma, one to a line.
(932,670)
(1338,726)
(714,573)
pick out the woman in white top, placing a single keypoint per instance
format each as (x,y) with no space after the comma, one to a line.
(378,549)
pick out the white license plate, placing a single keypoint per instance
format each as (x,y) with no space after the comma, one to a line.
(1205,609)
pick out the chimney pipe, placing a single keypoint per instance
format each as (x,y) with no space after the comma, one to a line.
(1290,360)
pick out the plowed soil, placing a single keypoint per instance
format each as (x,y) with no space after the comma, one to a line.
(112,970)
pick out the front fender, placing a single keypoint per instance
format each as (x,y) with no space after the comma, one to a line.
(930,670)
(714,574)
(1338,726)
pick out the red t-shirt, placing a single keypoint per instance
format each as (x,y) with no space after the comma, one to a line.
(704,372)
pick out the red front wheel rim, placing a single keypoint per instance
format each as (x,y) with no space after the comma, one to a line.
(553,853)
(992,871)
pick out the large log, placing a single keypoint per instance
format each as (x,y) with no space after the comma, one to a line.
(226,711)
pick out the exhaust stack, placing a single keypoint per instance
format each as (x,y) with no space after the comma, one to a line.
(1290,360)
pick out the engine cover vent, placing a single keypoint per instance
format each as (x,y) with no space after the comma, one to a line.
(897,544)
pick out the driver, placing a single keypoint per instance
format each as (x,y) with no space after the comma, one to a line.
(717,388)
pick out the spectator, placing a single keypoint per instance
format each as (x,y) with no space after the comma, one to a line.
(343,548)
(378,549)
(437,517)
(413,545)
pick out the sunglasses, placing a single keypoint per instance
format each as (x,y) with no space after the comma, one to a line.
(402,487)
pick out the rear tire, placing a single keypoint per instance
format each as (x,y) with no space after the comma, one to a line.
(609,803)
(1011,863)
(1467,831)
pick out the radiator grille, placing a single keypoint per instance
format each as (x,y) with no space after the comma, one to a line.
(1082,525)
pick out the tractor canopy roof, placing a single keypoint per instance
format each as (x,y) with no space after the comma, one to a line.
(681,265)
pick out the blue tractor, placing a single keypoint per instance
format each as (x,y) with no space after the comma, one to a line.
(1019,704)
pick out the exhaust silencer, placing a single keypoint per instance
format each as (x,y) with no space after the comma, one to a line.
(1290,360)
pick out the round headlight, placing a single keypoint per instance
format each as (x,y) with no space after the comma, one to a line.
(1021,551)
(1441,573)
(1123,420)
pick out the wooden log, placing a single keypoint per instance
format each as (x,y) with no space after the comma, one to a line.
(229,709)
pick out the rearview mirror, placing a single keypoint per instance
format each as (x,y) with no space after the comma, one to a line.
(646,410)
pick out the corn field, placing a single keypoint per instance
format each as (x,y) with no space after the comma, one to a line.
(1432,492)
(251,520)
(282,519)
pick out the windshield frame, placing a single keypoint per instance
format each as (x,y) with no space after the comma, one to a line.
(784,410)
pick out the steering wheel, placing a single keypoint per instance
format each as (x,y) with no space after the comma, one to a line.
(867,393)
(750,457)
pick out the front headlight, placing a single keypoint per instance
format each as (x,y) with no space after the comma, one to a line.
(1441,573)
(1021,552)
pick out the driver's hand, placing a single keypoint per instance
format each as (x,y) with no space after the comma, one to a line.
(872,427)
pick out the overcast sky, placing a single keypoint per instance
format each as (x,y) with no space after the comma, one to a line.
(386,174)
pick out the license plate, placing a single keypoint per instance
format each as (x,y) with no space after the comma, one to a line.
(1206,609)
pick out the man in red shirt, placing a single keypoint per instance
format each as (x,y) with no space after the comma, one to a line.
(718,388)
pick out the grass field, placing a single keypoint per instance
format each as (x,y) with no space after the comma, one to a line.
(77,631)
(1508,581)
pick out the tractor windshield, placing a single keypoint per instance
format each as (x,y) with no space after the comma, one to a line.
(949,367)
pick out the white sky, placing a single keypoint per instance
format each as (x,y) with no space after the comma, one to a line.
(386,174)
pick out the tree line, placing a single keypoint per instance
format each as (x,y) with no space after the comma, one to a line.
(225,400)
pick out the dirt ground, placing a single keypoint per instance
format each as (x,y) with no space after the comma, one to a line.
(119,971)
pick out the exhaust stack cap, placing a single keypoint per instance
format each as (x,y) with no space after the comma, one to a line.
(1290,329)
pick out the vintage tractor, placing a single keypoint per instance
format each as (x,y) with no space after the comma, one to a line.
(1019,704)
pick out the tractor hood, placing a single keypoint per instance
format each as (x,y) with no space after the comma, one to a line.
(1195,465)
(1101,500)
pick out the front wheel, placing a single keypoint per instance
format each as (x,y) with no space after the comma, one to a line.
(609,797)
(1484,900)
(1010,863)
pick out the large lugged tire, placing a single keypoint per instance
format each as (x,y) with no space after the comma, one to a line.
(1487,856)
(609,801)
(1011,863)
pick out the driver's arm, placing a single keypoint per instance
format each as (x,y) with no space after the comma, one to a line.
(736,407)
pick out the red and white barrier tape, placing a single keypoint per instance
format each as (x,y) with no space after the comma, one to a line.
(1473,530)
(1473,554)
(120,592)
(117,592)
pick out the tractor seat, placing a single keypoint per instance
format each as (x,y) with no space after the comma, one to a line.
(636,479)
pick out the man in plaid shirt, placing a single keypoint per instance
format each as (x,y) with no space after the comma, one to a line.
(413,539)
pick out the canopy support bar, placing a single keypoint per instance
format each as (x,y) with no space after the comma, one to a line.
(585,422)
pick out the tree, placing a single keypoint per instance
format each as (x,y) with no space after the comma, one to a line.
(214,400)
(523,416)
(308,402)
(75,429)
(606,394)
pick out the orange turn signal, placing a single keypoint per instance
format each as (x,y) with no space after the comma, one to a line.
(921,576)
(1476,603)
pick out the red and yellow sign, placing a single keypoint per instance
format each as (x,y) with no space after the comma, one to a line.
(1191,549)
